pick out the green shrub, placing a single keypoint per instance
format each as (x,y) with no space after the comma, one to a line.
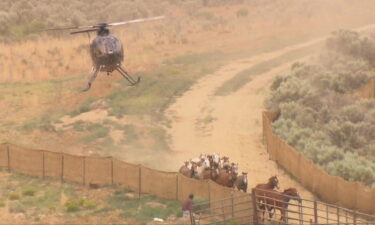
(28,192)
(200,203)
(73,206)
(14,196)
(336,131)
(2,204)
(87,204)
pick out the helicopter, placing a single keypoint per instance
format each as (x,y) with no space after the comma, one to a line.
(106,49)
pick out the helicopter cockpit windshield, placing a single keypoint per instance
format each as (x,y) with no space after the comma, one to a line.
(106,50)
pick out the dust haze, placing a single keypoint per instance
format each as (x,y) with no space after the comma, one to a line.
(205,69)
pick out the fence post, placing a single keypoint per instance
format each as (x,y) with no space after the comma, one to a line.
(112,170)
(300,212)
(62,167)
(338,215)
(84,170)
(8,155)
(255,209)
(43,172)
(355,217)
(140,182)
(176,186)
(232,201)
(315,212)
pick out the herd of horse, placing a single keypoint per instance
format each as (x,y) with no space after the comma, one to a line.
(220,170)
(215,168)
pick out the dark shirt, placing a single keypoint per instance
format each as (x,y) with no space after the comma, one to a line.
(188,205)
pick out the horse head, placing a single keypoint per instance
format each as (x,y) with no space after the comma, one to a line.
(206,163)
(274,182)
(234,168)
(244,175)
(292,193)
(216,158)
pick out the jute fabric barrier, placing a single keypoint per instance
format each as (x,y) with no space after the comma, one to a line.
(127,175)
(53,164)
(306,172)
(343,188)
(98,170)
(162,184)
(188,186)
(4,155)
(26,161)
(365,198)
(331,189)
(73,168)
(327,186)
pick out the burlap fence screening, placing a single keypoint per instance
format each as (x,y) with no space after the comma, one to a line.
(331,189)
(106,171)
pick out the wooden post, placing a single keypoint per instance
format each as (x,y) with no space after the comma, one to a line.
(338,215)
(327,215)
(112,171)
(355,217)
(232,201)
(43,172)
(176,186)
(255,209)
(222,209)
(62,167)
(8,155)
(315,212)
(140,182)
(84,170)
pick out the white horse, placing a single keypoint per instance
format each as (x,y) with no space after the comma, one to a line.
(201,166)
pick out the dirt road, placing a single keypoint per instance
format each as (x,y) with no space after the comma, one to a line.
(230,125)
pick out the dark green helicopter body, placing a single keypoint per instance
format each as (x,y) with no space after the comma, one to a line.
(106,50)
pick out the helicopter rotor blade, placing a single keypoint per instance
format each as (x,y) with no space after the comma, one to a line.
(136,21)
(102,25)
(69,28)
(84,31)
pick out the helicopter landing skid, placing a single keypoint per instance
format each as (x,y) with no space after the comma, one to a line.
(92,78)
(126,75)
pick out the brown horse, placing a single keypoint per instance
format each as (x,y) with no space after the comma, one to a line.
(262,189)
(227,177)
(184,170)
(211,173)
(280,201)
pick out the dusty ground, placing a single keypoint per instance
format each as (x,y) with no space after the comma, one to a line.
(233,124)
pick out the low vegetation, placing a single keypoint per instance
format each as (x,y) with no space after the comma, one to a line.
(38,199)
(320,118)
(144,209)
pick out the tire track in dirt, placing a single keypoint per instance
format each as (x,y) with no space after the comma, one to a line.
(230,125)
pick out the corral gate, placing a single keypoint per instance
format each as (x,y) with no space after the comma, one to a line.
(249,209)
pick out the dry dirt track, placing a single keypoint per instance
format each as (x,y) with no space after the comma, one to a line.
(230,125)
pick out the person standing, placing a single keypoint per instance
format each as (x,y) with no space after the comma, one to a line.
(187,206)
